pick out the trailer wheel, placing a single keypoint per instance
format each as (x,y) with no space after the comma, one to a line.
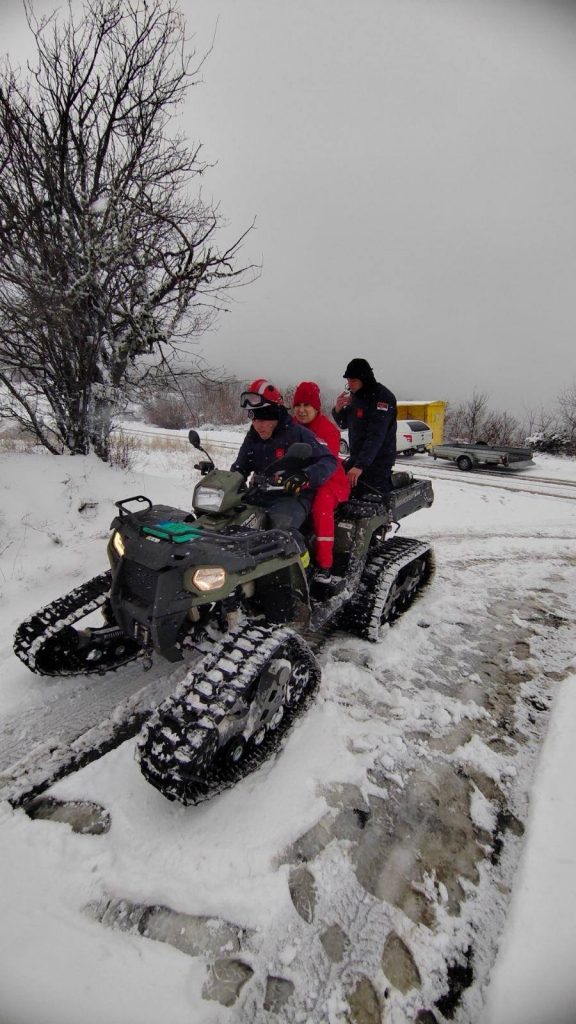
(464,462)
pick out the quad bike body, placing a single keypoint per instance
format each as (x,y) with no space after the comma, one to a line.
(215,587)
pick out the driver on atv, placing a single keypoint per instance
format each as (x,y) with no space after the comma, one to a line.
(271,433)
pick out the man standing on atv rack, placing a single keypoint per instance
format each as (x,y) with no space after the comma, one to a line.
(367,410)
(272,432)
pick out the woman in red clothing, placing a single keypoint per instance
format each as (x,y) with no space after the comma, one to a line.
(337,488)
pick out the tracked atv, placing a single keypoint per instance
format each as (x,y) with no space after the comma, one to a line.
(238,604)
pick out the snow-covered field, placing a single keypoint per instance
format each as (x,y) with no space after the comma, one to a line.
(364,873)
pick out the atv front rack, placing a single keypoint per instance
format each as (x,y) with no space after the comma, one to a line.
(126,513)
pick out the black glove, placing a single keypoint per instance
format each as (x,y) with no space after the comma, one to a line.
(294,484)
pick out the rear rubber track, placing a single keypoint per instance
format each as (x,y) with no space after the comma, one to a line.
(391,577)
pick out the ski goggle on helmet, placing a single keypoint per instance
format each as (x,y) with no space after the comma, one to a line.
(260,393)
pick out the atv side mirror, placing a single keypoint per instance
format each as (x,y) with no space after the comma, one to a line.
(299,451)
(204,467)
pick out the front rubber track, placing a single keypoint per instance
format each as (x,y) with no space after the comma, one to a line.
(229,715)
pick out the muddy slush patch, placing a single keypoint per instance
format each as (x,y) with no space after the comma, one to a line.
(83,816)
(425,844)
(191,934)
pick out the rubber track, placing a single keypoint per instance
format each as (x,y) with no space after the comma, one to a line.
(183,730)
(367,611)
(36,630)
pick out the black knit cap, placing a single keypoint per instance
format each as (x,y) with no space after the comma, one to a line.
(360,369)
(270,411)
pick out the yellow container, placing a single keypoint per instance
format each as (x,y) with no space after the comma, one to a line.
(432,413)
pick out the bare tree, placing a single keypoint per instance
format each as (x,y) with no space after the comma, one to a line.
(501,428)
(465,421)
(567,404)
(108,261)
(195,400)
(553,428)
(474,421)
(543,420)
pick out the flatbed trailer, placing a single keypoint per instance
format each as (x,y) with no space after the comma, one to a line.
(467,456)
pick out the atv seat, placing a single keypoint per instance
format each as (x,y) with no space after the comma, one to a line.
(401,479)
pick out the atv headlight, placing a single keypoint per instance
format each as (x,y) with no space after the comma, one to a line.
(118,544)
(210,577)
(208,499)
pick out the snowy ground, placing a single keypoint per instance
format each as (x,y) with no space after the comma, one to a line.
(364,873)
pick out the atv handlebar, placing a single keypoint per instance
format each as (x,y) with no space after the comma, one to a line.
(267,485)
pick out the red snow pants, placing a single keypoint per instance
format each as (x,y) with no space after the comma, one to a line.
(327,497)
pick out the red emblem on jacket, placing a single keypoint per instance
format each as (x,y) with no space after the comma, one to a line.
(279,453)
(359,413)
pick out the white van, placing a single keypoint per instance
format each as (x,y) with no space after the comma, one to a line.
(411,436)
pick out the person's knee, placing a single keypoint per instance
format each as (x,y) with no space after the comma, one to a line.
(286,516)
(280,521)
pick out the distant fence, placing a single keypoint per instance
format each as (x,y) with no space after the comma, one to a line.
(172,439)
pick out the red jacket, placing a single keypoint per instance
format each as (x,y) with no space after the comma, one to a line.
(328,432)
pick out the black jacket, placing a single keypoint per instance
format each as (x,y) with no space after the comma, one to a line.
(370,419)
(256,455)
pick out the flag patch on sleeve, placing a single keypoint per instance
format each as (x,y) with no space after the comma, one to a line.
(383,406)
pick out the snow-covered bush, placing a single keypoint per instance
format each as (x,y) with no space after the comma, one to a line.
(555,443)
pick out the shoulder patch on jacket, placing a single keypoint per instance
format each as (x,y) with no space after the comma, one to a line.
(383,406)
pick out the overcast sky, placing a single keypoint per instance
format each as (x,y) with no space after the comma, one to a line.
(411,166)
